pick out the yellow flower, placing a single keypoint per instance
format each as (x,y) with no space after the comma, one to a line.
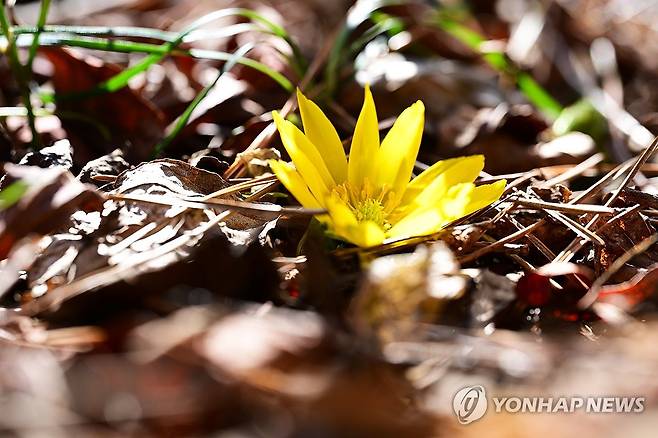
(370,198)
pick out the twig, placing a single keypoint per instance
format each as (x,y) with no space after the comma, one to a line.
(592,294)
(564,208)
(200,204)
(525,265)
(522,179)
(571,250)
(575,171)
(577,228)
(598,186)
(486,179)
(619,217)
(241,186)
(500,243)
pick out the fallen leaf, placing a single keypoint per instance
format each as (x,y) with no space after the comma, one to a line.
(52,195)
(98,124)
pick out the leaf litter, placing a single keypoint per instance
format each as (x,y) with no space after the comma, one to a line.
(190,294)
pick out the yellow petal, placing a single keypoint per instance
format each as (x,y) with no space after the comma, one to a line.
(399,149)
(365,144)
(323,135)
(345,226)
(474,164)
(341,214)
(367,234)
(456,201)
(293,181)
(460,200)
(431,185)
(464,199)
(486,194)
(418,223)
(306,158)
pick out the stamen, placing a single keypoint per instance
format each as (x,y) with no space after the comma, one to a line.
(370,210)
(366,202)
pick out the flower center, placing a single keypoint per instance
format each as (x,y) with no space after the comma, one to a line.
(367,203)
(370,210)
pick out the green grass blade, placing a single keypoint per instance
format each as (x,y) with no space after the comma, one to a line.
(299,62)
(247,62)
(43,15)
(121,80)
(381,28)
(538,96)
(358,14)
(534,92)
(115,31)
(182,120)
(134,47)
(19,73)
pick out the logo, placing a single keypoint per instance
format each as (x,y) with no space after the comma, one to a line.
(470,404)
